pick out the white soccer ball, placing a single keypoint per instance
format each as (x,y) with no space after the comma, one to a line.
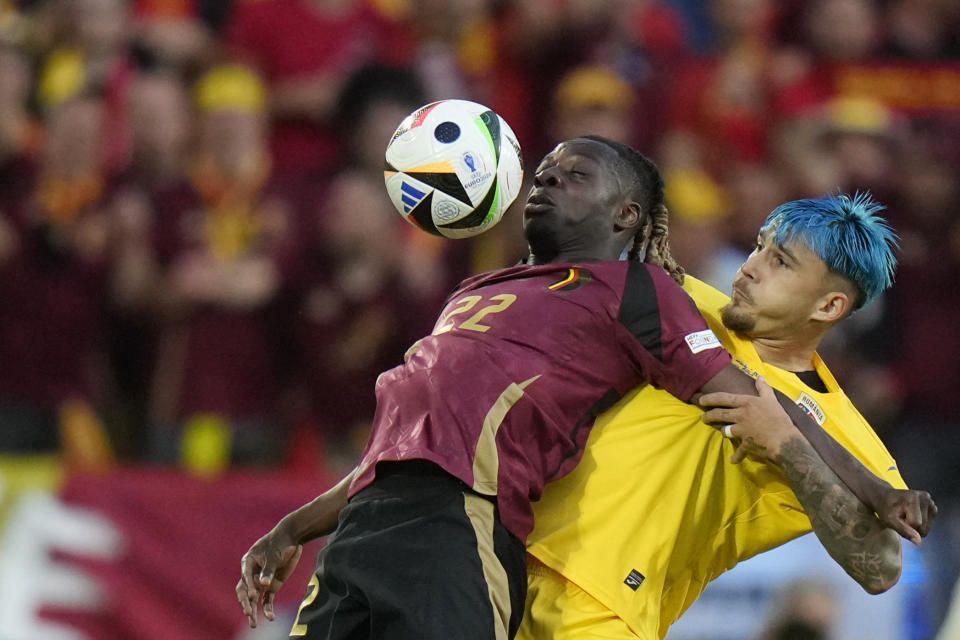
(453,168)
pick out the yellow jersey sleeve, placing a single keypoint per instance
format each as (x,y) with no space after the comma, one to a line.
(655,511)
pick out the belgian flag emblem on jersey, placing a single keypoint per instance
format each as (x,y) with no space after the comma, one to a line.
(576,277)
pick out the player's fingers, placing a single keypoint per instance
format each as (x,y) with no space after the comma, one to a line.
(904,529)
(268,611)
(913,511)
(763,388)
(247,605)
(929,510)
(918,512)
(739,455)
(916,538)
(242,597)
(719,414)
(247,569)
(720,399)
(924,527)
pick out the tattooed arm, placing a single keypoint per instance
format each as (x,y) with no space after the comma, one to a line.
(735,394)
(848,530)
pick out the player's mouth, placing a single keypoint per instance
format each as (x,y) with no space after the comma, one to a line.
(740,293)
(537,203)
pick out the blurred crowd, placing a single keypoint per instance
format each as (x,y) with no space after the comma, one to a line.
(199,264)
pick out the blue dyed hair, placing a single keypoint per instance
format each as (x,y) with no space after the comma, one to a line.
(846,233)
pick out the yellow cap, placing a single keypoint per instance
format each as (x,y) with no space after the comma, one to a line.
(693,196)
(593,86)
(858,114)
(231,88)
(63,76)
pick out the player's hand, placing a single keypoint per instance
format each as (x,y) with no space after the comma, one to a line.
(263,570)
(757,424)
(908,512)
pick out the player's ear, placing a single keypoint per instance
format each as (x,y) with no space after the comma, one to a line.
(833,306)
(630,216)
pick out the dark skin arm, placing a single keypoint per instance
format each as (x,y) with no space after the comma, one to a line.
(909,513)
(272,559)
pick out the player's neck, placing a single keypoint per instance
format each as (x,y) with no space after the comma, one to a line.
(575,257)
(574,252)
(794,354)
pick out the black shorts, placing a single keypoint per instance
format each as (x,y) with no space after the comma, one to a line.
(416,555)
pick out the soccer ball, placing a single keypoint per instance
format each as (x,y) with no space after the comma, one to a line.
(453,168)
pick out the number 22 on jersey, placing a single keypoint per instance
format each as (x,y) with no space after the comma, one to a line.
(493,304)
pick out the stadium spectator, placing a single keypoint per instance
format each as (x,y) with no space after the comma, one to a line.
(753,191)
(699,224)
(19,131)
(54,258)
(722,97)
(638,41)
(593,100)
(832,35)
(92,53)
(226,242)
(174,33)
(921,30)
(803,609)
(305,49)
(158,112)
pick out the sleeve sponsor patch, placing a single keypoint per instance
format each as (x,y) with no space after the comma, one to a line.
(702,340)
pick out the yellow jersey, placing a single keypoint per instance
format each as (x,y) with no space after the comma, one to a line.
(655,510)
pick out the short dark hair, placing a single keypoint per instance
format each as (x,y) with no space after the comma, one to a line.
(646,183)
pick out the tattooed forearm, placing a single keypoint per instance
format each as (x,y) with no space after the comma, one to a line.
(848,530)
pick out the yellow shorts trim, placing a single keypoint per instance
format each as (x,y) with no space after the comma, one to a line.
(557,609)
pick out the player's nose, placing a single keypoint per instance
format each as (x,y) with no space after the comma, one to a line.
(547,177)
(749,267)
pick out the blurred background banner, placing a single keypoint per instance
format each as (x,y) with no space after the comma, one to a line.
(142,553)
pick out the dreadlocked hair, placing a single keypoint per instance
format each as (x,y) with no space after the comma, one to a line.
(658,249)
(647,189)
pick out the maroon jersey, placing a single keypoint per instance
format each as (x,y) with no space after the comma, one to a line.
(504,392)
